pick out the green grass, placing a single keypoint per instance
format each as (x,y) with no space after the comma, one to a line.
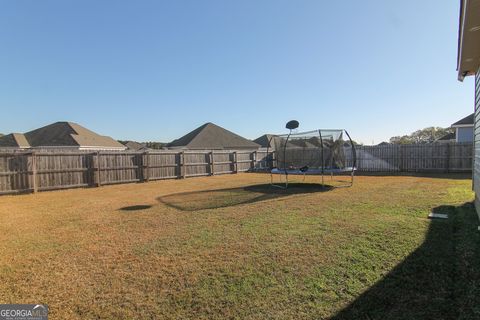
(229,247)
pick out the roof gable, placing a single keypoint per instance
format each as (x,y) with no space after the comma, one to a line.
(211,136)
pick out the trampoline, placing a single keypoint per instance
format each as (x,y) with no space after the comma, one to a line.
(313,153)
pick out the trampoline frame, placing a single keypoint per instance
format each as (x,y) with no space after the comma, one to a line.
(312,171)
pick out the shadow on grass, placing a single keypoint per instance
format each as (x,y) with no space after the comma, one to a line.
(440,280)
(136,207)
(213,199)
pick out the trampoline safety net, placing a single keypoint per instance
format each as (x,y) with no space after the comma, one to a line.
(315,152)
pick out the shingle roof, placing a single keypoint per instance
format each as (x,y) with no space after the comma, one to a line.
(16,140)
(448,137)
(265,141)
(211,136)
(59,134)
(69,134)
(133,145)
(465,121)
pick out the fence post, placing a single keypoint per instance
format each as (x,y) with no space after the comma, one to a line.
(235,163)
(400,153)
(91,169)
(146,166)
(34,173)
(447,162)
(212,164)
(183,170)
(98,168)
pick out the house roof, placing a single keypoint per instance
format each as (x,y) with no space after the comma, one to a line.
(60,134)
(448,137)
(468,120)
(133,145)
(211,136)
(69,134)
(468,60)
(16,140)
(264,141)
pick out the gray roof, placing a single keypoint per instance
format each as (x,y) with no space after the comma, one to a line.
(265,141)
(60,134)
(211,136)
(133,145)
(16,140)
(448,137)
(465,121)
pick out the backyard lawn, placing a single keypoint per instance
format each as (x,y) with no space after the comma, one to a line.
(231,247)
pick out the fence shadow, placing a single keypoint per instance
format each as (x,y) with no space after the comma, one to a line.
(220,198)
(440,280)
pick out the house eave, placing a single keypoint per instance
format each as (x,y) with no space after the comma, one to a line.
(462,126)
(468,58)
(101,148)
(79,147)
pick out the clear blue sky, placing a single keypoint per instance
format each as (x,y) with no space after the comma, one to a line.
(154,70)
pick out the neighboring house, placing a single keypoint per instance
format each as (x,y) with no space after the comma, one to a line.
(468,64)
(64,135)
(265,141)
(464,129)
(212,137)
(135,146)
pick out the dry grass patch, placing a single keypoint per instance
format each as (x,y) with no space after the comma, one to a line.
(216,247)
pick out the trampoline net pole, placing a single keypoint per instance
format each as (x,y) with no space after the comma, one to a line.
(322,162)
(354,155)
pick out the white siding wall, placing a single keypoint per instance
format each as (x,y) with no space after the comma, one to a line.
(465,134)
(476,164)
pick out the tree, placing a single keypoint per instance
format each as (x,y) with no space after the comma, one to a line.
(427,135)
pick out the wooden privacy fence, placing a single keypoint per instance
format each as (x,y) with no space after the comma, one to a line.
(434,157)
(39,171)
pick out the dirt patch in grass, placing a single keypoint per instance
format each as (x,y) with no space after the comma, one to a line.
(143,251)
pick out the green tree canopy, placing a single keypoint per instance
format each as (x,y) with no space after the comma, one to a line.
(426,135)
(155,144)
